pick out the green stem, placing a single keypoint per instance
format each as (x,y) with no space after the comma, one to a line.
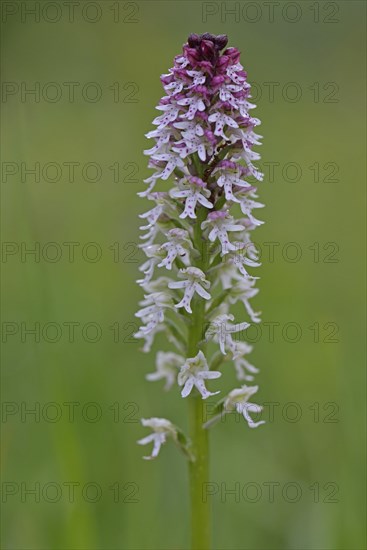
(199,476)
(199,467)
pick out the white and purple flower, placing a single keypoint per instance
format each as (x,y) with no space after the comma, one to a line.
(193,373)
(194,282)
(162,428)
(238,399)
(194,190)
(219,224)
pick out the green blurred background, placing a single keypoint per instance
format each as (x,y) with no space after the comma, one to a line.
(312,448)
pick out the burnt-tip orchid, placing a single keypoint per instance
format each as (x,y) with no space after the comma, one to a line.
(197,239)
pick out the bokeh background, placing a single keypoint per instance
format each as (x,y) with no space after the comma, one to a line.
(91,489)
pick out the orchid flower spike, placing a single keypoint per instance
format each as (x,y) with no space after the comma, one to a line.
(197,233)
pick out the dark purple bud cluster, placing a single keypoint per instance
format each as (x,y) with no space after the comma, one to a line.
(203,51)
(207,45)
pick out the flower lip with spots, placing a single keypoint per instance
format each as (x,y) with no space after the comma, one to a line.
(193,373)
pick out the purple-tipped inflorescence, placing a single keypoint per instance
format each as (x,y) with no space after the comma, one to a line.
(197,235)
